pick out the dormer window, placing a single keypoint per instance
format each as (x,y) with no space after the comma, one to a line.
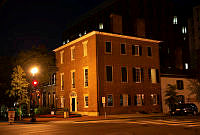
(175,20)
(80,35)
(184,30)
(101,26)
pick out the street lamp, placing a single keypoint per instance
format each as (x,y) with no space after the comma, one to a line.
(33,70)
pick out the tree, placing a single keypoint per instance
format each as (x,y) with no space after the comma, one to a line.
(19,87)
(171,95)
(194,87)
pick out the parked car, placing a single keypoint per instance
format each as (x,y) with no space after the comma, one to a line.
(184,109)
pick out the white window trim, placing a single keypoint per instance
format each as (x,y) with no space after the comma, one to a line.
(121,49)
(110,47)
(61,81)
(85,47)
(72,79)
(61,57)
(140,97)
(85,101)
(73,53)
(84,76)
(126,75)
(106,73)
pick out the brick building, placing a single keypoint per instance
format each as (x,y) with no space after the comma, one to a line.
(123,69)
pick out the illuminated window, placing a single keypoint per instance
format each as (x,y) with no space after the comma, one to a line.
(139,99)
(101,26)
(67,40)
(86,101)
(86,77)
(109,100)
(125,100)
(63,42)
(61,57)
(138,75)
(54,79)
(80,34)
(123,49)
(49,98)
(85,32)
(73,78)
(109,73)
(136,50)
(154,75)
(175,20)
(184,30)
(108,47)
(85,48)
(54,97)
(124,74)
(186,66)
(154,99)
(73,53)
(62,101)
(62,81)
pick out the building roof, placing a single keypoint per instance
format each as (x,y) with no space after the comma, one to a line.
(106,34)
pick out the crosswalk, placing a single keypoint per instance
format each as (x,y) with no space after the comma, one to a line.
(185,123)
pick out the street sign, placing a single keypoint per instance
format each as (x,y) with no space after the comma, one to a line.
(103,100)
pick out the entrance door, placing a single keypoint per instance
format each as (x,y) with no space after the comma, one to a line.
(73,104)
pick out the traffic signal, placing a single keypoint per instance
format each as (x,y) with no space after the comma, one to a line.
(35,83)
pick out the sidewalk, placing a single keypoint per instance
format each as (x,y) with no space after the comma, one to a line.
(87,118)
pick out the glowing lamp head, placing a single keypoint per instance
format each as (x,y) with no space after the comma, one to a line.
(34,70)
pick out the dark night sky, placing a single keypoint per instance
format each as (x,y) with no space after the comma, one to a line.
(24,23)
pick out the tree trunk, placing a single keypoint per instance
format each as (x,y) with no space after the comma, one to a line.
(20,112)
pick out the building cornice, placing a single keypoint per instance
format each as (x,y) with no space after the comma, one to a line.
(106,34)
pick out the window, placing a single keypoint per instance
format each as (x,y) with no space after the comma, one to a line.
(63,42)
(186,66)
(154,75)
(85,32)
(86,101)
(175,20)
(123,49)
(129,100)
(179,84)
(73,78)
(124,74)
(138,75)
(54,97)
(101,26)
(125,99)
(67,40)
(44,98)
(53,79)
(62,81)
(49,98)
(184,30)
(110,100)
(80,35)
(109,73)
(86,77)
(180,99)
(61,57)
(73,53)
(154,99)
(149,51)
(136,50)
(85,48)
(62,102)
(139,99)
(121,100)
(108,47)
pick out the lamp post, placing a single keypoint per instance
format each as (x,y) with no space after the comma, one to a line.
(34,71)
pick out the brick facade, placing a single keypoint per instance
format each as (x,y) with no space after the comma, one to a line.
(96,61)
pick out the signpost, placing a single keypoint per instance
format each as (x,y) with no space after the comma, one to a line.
(104,105)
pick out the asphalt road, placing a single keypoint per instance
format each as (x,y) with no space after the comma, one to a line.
(144,126)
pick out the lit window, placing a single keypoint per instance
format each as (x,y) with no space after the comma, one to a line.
(80,34)
(136,50)
(85,32)
(61,57)
(54,97)
(154,75)
(49,98)
(62,81)
(123,49)
(138,75)
(86,77)
(109,73)
(101,26)
(186,66)
(184,30)
(124,74)
(62,101)
(109,100)
(73,53)
(86,101)
(54,79)
(67,40)
(63,42)
(139,99)
(85,48)
(73,78)
(108,47)
(175,20)
(154,99)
